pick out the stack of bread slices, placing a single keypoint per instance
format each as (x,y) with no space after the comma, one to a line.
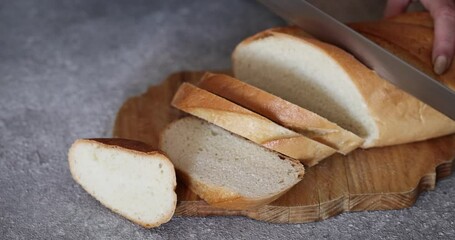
(245,140)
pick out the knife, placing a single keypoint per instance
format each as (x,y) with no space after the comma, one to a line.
(388,66)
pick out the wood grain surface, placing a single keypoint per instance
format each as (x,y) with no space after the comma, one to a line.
(373,179)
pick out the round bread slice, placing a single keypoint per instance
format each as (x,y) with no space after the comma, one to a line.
(224,169)
(127,177)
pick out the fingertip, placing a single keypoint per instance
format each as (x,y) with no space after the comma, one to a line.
(444,39)
(440,64)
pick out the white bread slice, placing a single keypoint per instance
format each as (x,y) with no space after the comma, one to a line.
(332,83)
(224,169)
(281,111)
(248,124)
(127,177)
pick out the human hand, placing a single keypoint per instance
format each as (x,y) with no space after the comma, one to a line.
(443,13)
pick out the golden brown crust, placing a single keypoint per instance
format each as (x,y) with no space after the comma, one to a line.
(414,18)
(224,198)
(248,124)
(134,147)
(188,96)
(122,143)
(399,117)
(425,67)
(281,111)
(242,203)
(291,30)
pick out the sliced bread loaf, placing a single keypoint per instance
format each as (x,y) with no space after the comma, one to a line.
(281,111)
(224,169)
(332,83)
(248,124)
(127,177)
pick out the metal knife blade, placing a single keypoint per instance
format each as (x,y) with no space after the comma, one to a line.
(387,65)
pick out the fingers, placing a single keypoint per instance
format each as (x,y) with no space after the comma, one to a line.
(395,7)
(443,12)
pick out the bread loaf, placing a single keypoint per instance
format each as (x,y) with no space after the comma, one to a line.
(226,170)
(281,111)
(127,177)
(248,124)
(327,80)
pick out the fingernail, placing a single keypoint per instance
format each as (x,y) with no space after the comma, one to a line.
(440,65)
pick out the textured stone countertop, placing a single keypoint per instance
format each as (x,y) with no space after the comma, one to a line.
(67,66)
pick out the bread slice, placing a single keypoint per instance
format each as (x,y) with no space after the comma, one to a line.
(227,170)
(127,177)
(248,124)
(281,111)
(332,83)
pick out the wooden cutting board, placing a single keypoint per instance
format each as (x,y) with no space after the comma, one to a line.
(374,179)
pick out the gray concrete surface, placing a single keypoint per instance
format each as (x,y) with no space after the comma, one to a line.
(66,67)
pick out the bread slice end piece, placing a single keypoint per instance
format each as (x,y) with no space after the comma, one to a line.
(126,177)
